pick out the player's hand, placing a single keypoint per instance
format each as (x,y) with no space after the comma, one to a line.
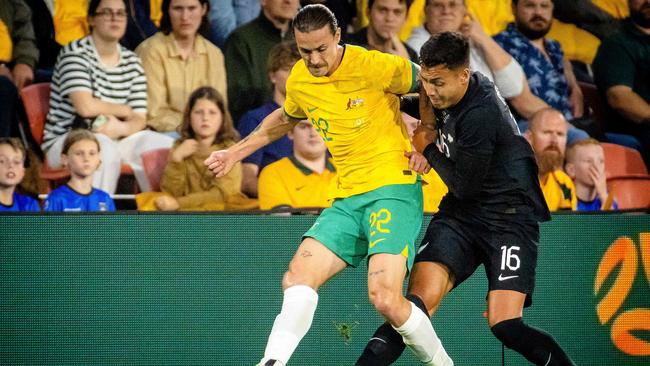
(417,162)
(166,203)
(113,128)
(422,137)
(220,162)
(184,150)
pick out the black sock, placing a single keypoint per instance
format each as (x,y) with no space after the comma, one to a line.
(386,345)
(536,345)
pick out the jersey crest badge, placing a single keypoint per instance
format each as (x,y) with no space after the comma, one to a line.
(354,103)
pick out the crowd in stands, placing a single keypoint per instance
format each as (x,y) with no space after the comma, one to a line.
(193,76)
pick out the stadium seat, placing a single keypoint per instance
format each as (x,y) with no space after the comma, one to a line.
(630,192)
(153,163)
(36,100)
(621,161)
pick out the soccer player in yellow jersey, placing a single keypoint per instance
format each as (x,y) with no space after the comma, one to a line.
(350,95)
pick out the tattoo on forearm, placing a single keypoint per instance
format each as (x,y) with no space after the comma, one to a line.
(305,254)
(374,273)
(248,137)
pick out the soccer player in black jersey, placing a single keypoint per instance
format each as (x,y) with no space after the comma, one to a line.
(490,215)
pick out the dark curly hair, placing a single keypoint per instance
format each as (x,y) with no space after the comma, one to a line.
(450,49)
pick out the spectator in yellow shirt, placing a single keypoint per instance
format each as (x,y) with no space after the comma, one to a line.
(301,180)
(547,134)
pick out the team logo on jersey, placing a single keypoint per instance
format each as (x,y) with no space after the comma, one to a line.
(626,324)
(354,103)
(444,117)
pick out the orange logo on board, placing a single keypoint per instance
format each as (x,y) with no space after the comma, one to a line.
(623,253)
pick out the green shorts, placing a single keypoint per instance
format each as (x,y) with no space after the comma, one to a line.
(385,220)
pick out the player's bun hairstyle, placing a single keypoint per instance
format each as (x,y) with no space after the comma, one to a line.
(166,23)
(77,135)
(450,49)
(227,133)
(313,17)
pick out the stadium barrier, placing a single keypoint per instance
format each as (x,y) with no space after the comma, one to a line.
(194,289)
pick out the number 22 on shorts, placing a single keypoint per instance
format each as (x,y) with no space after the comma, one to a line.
(377,219)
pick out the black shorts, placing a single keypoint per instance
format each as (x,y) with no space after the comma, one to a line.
(508,252)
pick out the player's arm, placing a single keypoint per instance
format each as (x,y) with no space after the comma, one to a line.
(274,126)
(474,148)
(425,134)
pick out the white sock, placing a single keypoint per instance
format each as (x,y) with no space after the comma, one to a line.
(419,336)
(292,323)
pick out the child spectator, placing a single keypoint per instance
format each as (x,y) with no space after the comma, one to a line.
(585,164)
(12,171)
(206,127)
(301,180)
(80,154)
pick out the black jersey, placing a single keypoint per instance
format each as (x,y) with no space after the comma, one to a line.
(489,168)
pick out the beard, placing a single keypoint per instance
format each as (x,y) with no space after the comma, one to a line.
(549,160)
(533,34)
(639,18)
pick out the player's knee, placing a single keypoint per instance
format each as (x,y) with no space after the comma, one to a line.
(384,300)
(290,278)
(508,331)
(294,276)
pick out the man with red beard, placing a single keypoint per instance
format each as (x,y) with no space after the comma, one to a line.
(547,134)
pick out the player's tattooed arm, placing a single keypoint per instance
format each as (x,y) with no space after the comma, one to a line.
(274,126)
(376,273)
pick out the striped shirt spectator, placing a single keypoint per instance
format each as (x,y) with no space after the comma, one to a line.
(79,68)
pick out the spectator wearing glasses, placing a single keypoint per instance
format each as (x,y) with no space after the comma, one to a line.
(98,84)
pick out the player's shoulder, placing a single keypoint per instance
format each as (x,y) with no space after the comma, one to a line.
(298,72)
(358,55)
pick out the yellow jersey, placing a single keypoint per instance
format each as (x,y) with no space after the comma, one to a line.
(433,191)
(559,192)
(289,183)
(356,112)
